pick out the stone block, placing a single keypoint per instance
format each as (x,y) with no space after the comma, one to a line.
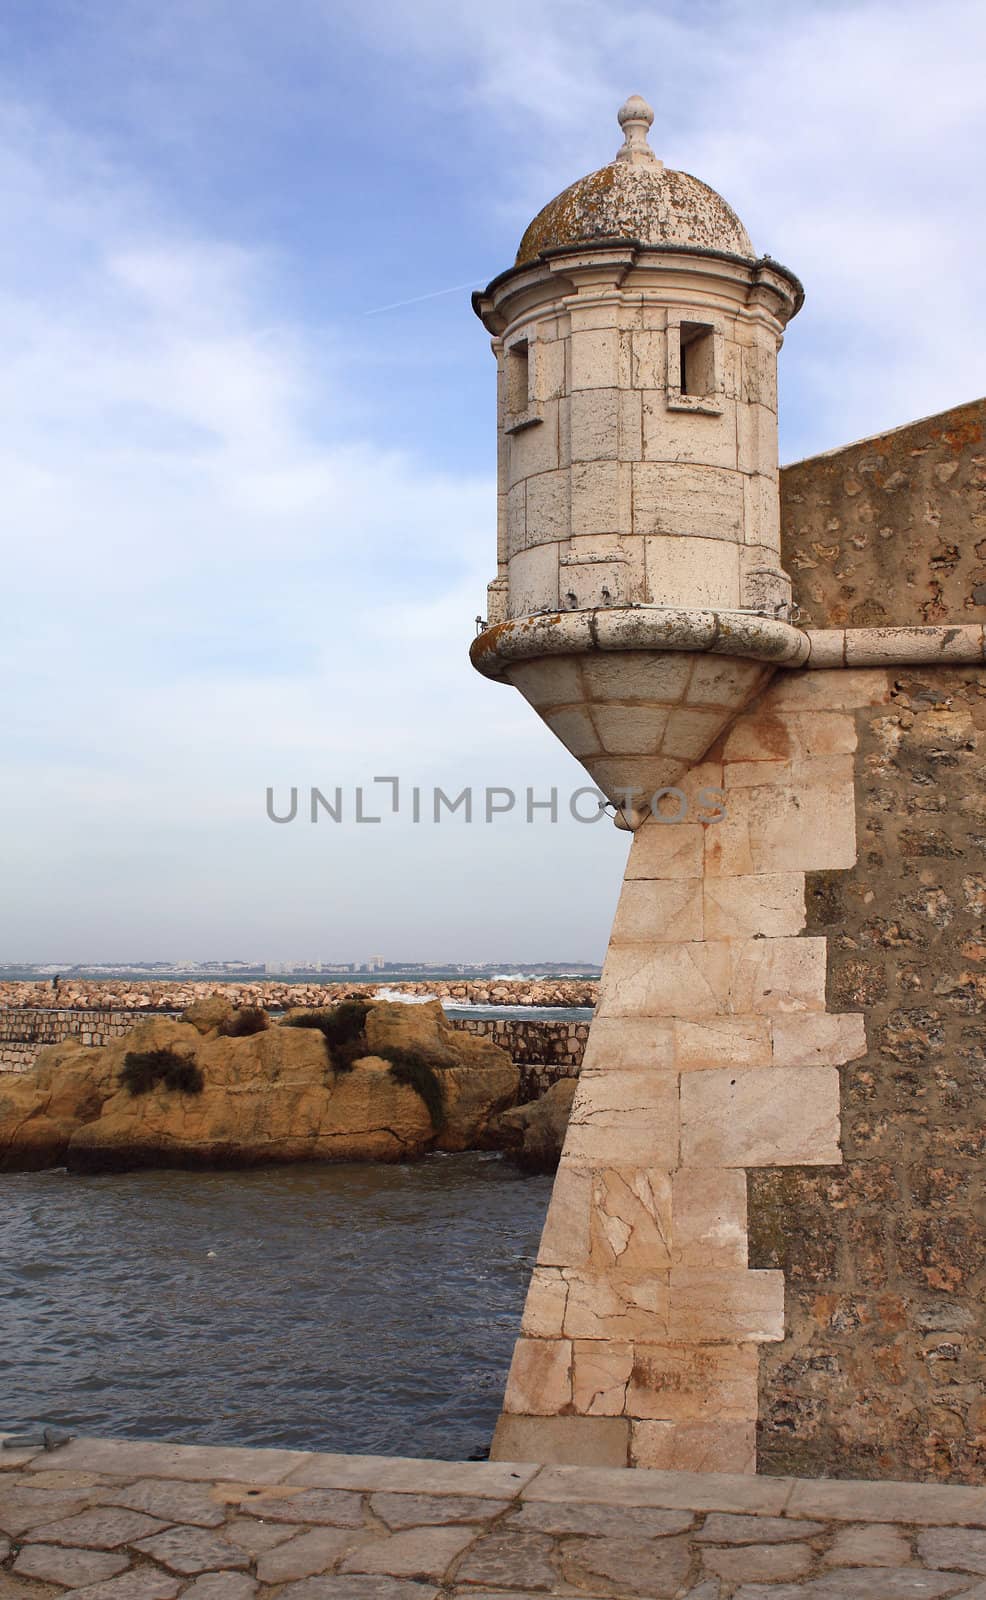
(696,501)
(401,1475)
(694,1447)
(724,681)
(544,1308)
(828,647)
(516,501)
(534,450)
(649,359)
(636,676)
(781,829)
(594,421)
(766,976)
(879,1545)
(668,982)
(770,904)
(574,727)
(595,355)
(189,1551)
(719,1307)
(630,1221)
(628,1567)
(614,1522)
(759,377)
(666,850)
(722,1042)
(799,772)
(534,580)
(668,1490)
(769,735)
(759,1563)
(840,690)
(693,1383)
(540,1379)
(756,440)
(629,1042)
(398,1511)
(413,1553)
(549,368)
(51,1563)
(725,1528)
(688,571)
(708,1212)
(505,1560)
(625,1118)
(629,730)
(690,732)
(600,1376)
(546,511)
(822,1039)
(607,1305)
(772,1117)
(958,1549)
(631,447)
(643,776)
(565,1441)
(565,1238)
(924,1504)
(599,503)
(548,682)
(658,910)
(673,436)
(869,647)
(761,513)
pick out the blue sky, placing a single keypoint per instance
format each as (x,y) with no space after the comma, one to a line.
(248,514)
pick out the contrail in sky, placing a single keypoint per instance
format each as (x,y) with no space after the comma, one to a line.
(416,300)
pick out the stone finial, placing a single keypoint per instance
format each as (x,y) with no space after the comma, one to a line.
(635,117)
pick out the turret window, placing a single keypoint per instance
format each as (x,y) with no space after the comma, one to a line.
(694,366)
(522,409)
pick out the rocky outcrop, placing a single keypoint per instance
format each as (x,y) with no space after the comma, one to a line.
(534,1133)
(273,1096)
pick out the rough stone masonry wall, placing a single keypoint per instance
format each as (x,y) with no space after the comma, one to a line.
(891,531)
(882,1372)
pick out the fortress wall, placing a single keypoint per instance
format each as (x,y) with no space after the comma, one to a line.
(881,1370)
(891,531)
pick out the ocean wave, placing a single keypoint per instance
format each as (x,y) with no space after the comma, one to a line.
(402,996)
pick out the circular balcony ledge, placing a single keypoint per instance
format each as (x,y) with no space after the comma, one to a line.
(729,633)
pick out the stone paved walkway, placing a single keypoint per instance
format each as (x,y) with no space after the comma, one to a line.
(105,1519)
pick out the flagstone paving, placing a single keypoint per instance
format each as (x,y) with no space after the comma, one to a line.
(103,1519)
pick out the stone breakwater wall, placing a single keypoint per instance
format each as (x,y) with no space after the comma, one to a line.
(171,995)
(544,1051)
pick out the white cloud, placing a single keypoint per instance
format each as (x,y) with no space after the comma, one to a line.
(209,588)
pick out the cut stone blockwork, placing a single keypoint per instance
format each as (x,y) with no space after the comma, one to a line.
(712,1052)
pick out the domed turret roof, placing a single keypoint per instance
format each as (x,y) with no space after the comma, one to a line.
(637,197)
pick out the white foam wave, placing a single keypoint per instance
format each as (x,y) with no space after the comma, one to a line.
(402,996)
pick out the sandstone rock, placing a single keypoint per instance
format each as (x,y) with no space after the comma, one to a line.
(272,1096)
(535,1133)
(208,1013)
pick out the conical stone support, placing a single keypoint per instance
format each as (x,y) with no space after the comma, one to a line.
(638,695)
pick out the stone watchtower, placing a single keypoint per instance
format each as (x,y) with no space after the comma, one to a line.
(639,601)
(641,608)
